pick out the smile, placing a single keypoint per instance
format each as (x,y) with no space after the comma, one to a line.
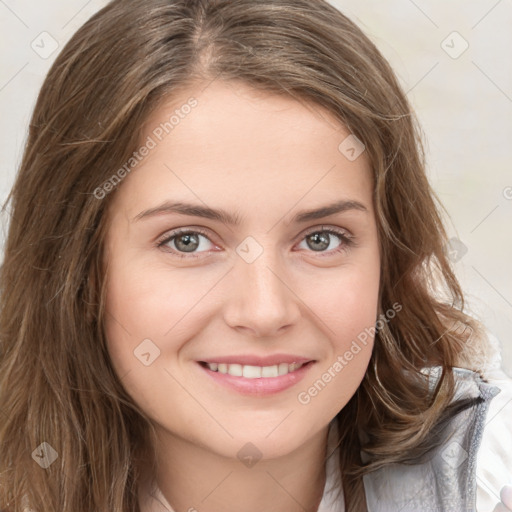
(254,372)
(255,380)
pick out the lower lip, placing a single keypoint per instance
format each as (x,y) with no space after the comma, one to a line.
(262,386)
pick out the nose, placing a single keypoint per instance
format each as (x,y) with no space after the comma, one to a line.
(261,298)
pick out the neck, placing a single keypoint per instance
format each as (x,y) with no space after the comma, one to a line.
(194,479)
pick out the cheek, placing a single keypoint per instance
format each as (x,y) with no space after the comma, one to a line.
(144,302)
(335,381)
(141,311)
(336,377)
(347,304)
(137,314)
(346,300)
(151,313)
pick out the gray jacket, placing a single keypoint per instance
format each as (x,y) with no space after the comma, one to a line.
(446,481)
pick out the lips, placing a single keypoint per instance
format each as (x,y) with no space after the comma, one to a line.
(253,360)
(257,375)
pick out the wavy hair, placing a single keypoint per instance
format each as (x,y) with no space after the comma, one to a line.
(57,384)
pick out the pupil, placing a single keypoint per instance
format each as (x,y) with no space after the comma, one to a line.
(188,241)
(322,238)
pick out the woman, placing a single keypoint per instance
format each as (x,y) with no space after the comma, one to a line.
(186,343)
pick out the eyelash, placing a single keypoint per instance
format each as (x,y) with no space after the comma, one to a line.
(347,241)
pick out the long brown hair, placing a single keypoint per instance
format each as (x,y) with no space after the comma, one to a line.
(56,381)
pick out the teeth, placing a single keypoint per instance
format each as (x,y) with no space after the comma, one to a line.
(270,371)
(251,372)
(235,370)
(283,369)
(254,372)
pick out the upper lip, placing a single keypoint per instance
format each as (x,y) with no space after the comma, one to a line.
(253,360)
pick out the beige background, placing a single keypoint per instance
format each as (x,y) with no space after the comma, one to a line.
(464,103)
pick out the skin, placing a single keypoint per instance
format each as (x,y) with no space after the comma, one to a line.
(264,158)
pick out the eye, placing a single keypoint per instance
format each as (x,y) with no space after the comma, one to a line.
(320,239)
(184,243)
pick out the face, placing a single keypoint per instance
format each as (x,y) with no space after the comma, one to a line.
(219,252)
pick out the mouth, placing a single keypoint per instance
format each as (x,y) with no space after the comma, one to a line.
(253,372)
(256,380)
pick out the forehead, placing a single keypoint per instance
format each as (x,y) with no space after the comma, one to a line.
(229,143)
(234,114)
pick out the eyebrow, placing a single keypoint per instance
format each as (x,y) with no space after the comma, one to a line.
(225,217)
